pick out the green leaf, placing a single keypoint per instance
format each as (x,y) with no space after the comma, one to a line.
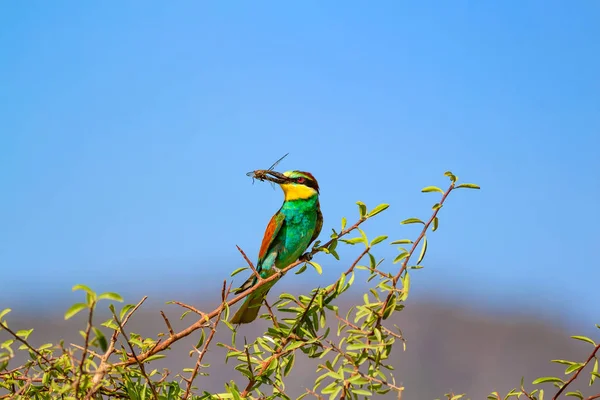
(432,189)
(468,186)
(344,222)
(378,209)
(423,250)
(573,367)
(362,392)
(101,338)
(237,271)
(362,208)
(201,340)
(401,257)
(584,339)
(4,312)
(317,267)
(24,333)
(547,379)
(412,221)
(111,296)
(575,394)
(124,310)
(452,177)
(301,270)
(289,365)
(435,224)
(565,362)
(402,241)
(74,309)
(594,373)
(405,286)
(378,239)
(83,287)
(155,357)
(353,241)
(110,324)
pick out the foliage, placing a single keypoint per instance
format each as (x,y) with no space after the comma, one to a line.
(353,349)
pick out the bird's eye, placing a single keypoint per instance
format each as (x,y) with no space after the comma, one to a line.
(300,180)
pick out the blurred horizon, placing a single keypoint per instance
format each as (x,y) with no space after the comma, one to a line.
(127,133)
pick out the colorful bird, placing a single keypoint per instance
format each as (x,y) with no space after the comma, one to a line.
(289,233)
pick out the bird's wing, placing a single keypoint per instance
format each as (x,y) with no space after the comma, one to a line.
(271,232)
(318,226)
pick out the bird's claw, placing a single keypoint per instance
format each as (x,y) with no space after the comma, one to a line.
(306,257)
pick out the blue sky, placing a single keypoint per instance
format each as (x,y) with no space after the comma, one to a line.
(126,131)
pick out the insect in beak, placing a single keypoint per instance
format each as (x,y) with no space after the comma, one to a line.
(269,174)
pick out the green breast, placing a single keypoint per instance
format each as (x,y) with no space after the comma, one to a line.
(296,234)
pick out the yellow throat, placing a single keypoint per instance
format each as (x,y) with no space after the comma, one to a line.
(294,191)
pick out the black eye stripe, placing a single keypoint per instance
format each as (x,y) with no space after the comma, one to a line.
(310,183)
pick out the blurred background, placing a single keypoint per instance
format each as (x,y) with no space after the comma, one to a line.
(127,129)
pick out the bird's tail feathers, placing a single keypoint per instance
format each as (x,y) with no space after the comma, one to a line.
(249,310)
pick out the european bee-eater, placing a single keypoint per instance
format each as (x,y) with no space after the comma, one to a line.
(289,233)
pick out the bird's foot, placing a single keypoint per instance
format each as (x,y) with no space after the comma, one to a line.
(277,271)
(306,256)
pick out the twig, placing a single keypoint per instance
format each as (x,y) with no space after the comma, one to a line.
(224,295)
(410,253)
(19,339)
(576,374)
(140,364)
(103,367)
(171,333)
(88,350)
(256,274)
(317,395)
(86,344)
(191,308)
(275,323)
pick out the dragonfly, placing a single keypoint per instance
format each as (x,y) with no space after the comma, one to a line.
(261,174)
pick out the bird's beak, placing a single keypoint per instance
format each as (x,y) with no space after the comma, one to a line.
(276,177)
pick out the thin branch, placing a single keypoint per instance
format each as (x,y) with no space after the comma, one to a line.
(86,344)
(271,314)
(224,295)
(256,274)
(411,252)
(19,339)
(576,374)
(191,308)
(171,333)
(103,367)
(317,395)
(140,364)
(88,350)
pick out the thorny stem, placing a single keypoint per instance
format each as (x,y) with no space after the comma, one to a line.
(250,264)
(576,374)
(224,295)
(209,316)
(86,344)
(140,364)
(102,369)
(412,250)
